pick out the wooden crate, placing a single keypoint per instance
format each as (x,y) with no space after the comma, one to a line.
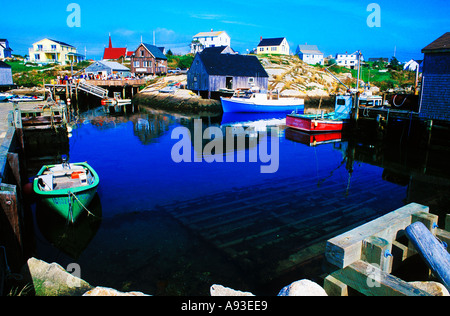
(363,256)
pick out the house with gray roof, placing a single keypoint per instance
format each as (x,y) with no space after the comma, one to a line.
(310,54)
(148,60)
(108,68)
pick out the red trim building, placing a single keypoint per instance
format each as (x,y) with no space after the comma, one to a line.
(112,53)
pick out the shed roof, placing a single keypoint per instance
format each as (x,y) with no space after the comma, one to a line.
(4,65)
(232,65)
(309,49)
(271,41)
(109,64)
(114,53)
(209,34)
(442,44)
(155,51)
(60,43)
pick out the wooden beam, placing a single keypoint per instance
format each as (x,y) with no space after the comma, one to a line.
(10,207)
(345,249)
(429,220)
(377,251)
(372,281)
(334,287)
(444,236)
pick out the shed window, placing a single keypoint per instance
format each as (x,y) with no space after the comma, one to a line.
(251,80)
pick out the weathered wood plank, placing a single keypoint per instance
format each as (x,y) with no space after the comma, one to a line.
(444,235)
(431,250)
(345,249)
(334,287)
(377,251)
(372,281)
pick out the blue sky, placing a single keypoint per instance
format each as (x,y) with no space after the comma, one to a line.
(335,26)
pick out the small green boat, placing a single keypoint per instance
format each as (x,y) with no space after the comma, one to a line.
(67,188)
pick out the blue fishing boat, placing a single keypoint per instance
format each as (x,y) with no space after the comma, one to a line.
(256,101)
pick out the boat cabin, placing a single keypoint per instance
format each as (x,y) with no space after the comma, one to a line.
(256,93)
(371,101)
(343,106)
(58,178)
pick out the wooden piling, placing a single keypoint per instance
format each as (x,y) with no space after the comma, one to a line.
(367,255)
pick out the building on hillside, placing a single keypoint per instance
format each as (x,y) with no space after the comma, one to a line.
(413,65)
(348,60)
(114,53)
(273,46)
(435,94)
(6,79)
(212,71)
(5,50)
(148,60)
(382,59)
(48,51)
(106,69)
(310,54)
(204,40)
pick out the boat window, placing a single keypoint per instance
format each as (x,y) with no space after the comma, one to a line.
(340,101)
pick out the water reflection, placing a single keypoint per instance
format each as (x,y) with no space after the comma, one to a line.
(172,228)
(71,239)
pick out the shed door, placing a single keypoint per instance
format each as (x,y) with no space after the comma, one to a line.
(229,82)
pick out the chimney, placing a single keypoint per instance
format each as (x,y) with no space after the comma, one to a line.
(260,39)
(212,30)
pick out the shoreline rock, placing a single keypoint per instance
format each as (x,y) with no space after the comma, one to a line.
(174,103)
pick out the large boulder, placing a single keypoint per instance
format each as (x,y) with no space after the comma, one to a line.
(219,290)
(50,279)
(303,288)
(104,291)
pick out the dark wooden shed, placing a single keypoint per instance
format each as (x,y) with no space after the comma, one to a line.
(213,70)
(435,95)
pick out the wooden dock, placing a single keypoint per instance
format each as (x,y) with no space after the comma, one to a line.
(367,256)
(98,88)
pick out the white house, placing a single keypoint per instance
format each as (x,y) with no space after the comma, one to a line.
(310,54)
(413,65)
(348,60)
(5,50)
(209,39)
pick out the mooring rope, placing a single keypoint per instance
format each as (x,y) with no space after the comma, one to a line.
(393,101)
(89,212)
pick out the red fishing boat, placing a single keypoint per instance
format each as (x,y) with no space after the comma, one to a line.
(329,122)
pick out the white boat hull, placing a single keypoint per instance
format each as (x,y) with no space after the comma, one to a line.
(243,105)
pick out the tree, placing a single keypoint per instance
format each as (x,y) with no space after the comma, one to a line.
(395,64)
(169,53)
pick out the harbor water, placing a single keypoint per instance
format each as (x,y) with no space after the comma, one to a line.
(168,227)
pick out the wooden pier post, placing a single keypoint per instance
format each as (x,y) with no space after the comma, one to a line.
(10,220)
